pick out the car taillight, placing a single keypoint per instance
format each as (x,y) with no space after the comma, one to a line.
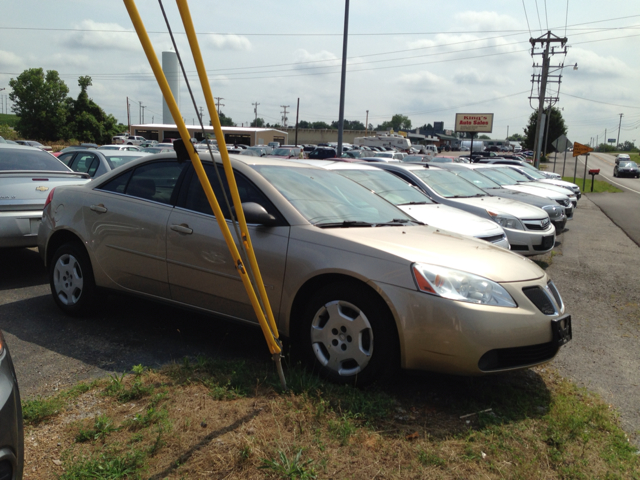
(49,198)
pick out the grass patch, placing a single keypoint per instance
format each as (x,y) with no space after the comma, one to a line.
(39,409)
(214,418)
(598,186)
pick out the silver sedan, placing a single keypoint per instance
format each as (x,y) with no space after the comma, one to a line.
(358,286)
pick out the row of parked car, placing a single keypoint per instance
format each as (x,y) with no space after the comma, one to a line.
(370,266)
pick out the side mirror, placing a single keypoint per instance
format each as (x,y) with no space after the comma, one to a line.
(256,213)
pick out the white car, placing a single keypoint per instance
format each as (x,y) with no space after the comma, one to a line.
(415,203)
(528,228)
(536,176)
(129,140)
(130,148)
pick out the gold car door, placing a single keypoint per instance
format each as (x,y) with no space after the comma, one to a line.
(200,269)
(127,219)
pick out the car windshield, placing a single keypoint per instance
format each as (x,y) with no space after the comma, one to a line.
(21,158)
(283,151)
(448,184)
(327,199)
(513,174)
(533,172)
(109,147)
(388,186)
(474,177)
(353,154)
(415,158)
(115,161)
(628,164)
(442,160)
(496,176)
(384,154)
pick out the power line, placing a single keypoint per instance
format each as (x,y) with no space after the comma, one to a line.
(538,11)
(527,17)
(598,101)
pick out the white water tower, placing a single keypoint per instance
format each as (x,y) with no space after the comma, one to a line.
(171,70)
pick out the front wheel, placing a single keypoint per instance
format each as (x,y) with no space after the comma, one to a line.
(71,279)
(349,335)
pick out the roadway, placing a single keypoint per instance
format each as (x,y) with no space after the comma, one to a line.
(623,209)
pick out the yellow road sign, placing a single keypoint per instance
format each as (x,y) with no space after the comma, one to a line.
(579,149)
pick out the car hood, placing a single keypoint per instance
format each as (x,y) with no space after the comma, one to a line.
(549,186)
(504,205)
(453,219)
(538,191)
(425,244)
(527,198)
(560,183)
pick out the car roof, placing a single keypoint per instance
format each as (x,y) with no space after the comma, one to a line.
(336,164)
(21,147)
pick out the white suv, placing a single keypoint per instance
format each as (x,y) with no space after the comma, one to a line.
(128,140)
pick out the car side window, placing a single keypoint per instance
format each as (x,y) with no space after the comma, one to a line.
(196,200)
(66,158)
(85,163)
(154,181)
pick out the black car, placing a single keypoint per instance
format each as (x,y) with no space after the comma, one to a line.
(626,168)
(320,153)
(11,429)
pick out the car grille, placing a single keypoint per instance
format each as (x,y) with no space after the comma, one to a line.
(542,298)
(564,203)
(547,243)
(6,470)
(493,239)
(569,212)
(542,224)
(502,358)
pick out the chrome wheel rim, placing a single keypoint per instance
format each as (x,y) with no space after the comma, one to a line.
(68,280)
(342,338)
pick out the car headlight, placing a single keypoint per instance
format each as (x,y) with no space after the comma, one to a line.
(462,286)
(506,221)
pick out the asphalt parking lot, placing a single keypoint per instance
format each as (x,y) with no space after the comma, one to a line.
(594,266)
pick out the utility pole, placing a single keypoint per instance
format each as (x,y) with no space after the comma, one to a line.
(543,78)
(128,117)
(297,118)
(217,99)
(619,125)
(255,111)
(343,77)
(201,115)
(143,107)
(606,140)
(140,112)
(507,133)
(284,115)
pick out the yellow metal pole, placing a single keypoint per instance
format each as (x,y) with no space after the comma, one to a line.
(184,134)
(183,7)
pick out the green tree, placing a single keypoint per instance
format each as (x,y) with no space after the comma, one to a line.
(557,127)
(398,122)
(39,100)
(87,122)
(226,121)
(516,137)
(320,125)
(258,123)
(484,137)
(349,125)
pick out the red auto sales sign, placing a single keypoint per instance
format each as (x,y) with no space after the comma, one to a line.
(474,122)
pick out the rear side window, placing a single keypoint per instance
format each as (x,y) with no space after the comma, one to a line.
(85,163)
(155,181)
(25,159)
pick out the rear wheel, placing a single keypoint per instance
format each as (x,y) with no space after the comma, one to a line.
(348,335)
(71,279)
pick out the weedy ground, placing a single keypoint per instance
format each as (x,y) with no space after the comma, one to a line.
(213,418)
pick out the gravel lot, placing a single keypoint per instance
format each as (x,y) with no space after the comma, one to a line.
(595,267)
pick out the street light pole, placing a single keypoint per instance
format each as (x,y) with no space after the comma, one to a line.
(619,125)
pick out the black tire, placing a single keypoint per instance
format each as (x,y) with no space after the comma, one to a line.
(73,286)
(341,325)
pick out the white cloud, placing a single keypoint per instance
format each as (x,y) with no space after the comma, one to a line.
(227,42)
(10,61)
(472,76)
(219,80)
(590,64)
(484,21)
(423,81)
(102,36)
(322,58)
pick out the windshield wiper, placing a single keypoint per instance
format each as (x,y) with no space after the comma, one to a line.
(345,224)
(398,222)
(414,203)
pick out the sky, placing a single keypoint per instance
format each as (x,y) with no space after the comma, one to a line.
(421,58)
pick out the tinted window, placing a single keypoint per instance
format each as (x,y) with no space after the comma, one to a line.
(197,201)
(154,181)
(23,159)
(85,163)
(116,160)
(66,158)
(388,186)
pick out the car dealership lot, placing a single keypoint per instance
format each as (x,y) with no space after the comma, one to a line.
(594,268)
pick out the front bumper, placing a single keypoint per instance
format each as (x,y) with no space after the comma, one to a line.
(531,242)
(442,335)
(19,229)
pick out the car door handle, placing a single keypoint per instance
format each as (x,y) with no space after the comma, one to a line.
(182,228)
(99,208)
